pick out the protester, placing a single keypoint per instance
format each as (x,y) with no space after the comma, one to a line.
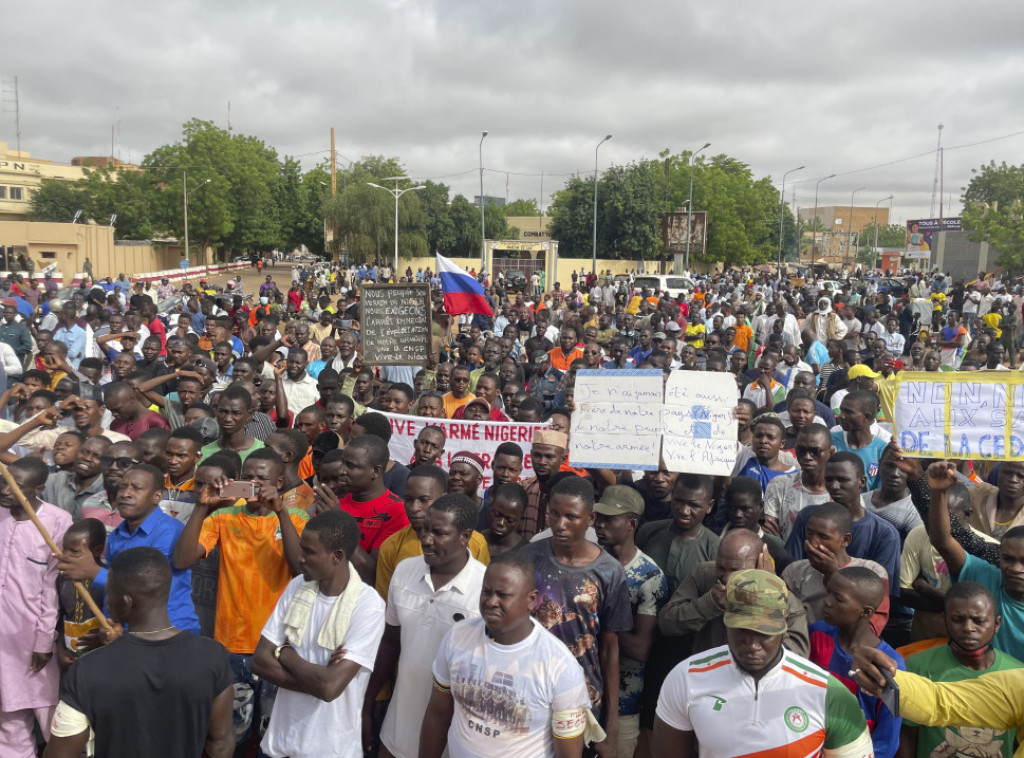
(183,680)
(709,698)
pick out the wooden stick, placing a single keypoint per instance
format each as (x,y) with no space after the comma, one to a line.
(23,501)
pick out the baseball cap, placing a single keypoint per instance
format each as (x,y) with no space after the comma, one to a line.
(756,600)
(672,326)
(10,302)
(479,401)
(859,371)
(618,499)
(658,336)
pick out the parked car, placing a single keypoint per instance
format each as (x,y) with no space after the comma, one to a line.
(888,285)
(516,280)
(673,286)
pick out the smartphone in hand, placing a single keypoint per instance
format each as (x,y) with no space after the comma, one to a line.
(246,490)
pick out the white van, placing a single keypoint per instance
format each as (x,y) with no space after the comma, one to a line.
(673,286)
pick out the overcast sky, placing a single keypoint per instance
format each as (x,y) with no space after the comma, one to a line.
(837,87)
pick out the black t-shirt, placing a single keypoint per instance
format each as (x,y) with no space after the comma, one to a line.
(146,697)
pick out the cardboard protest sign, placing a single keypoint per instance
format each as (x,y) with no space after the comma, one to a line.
(970,414)
(699,428)
(629,419)
(617,422)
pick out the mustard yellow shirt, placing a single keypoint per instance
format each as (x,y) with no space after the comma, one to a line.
(405,544)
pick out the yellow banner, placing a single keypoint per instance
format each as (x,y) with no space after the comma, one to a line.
(975,415)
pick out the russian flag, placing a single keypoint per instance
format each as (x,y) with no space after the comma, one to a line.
(462,293)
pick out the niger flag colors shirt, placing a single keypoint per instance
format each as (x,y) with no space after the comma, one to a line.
(796,710)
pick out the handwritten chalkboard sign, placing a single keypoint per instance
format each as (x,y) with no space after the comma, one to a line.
(396,324)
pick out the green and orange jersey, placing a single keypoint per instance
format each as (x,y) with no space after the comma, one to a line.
(796,709)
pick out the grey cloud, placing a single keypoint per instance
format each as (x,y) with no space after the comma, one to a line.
(835,87)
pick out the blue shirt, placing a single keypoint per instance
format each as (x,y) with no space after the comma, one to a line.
(1010,637)
(74,338)
(817,355)
(872,538)
(160,531)
(829,654)
(871,454)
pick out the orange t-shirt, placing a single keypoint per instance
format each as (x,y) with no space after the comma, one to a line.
(452,403)
(253,571)
(562,362)
(743,336)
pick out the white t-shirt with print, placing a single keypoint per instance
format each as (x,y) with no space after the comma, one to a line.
(505,694)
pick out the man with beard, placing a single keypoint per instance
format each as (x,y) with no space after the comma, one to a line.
(465,472)
(119,457)
(144,525)
(425,484)
(709,698)
(547,453)
(299,387)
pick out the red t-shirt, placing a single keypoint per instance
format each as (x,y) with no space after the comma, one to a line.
(145,422)
(157,329)
(378,518)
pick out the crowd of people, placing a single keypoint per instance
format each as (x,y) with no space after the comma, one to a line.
(217,471)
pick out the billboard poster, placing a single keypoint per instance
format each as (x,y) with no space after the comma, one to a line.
(673,231)
(920,231)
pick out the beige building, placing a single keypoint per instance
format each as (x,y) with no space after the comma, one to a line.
(66,247)
(21,175)
(531,228)
(837,240)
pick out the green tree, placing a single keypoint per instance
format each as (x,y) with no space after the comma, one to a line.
(440,228)
(55,201)
(572,218)
(364,216)
(203,157)
(521,207)
(994,211)
(630,207)
(889,235)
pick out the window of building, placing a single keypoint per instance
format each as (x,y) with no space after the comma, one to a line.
(17,193)
(3,192)
(48,255)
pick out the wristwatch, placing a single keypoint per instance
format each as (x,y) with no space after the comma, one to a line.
(278,649)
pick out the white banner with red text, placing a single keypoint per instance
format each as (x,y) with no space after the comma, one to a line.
(480,437)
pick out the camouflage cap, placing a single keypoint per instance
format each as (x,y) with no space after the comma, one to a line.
(756,600)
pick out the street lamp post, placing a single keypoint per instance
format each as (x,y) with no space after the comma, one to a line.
(815,217)
(849,229)
(689,207)
(883,200)
(593,264)
(184,202)
(397,193)
(782,211)
(483,230)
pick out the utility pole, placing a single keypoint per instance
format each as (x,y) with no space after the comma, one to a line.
(334,167)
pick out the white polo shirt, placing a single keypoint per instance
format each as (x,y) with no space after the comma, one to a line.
(425,615)
(796,709)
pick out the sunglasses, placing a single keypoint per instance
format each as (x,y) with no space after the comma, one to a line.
(109,461)
(817,452)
